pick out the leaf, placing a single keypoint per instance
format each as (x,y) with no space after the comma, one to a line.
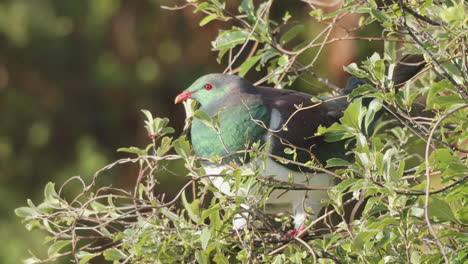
(205,237)
(373,108)
(354,70)
(447,101)
(182,147)
(193,208)
(84,256)
(99,207)
(149,116)
(231,38)
(207,20)
(201,257)
(380,16)
(354,114)
(219,258)
(114,254)
(336,162)
(25,212)
(51,197)
(32,260)
(156,127)
(361,90)
(205,119)
(291,33)
(203,6)
(379,70)
(134,150)
(283,60)
(342,186)
(441,209)
(214,209)
(248,64)
(390,50)
(334,133)
(56,247)
(247,8)
(164,146)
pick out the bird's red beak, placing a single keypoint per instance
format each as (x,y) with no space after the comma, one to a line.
(182,97)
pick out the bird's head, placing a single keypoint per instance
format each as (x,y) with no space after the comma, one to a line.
(213,87)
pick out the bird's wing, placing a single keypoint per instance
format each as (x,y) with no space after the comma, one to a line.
(294,119)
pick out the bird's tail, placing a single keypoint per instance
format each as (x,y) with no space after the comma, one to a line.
(407,67)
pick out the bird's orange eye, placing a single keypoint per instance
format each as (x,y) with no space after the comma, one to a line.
(208,86)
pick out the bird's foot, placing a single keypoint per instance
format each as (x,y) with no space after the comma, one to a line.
(236,233)
(293,233)
(296,232)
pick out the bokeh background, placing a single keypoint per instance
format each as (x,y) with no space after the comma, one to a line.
(74,75)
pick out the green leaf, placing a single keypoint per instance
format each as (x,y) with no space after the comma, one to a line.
(286,17)
(33,260)
(334,133)
(248,64)
(208,212)
(373,108)
(390,49)
(231,38)
(336,162)
(56,247)
(114,254)
(85,257)
(51,197)
(379,70)
(362,89)
(25,212)
(99,207)
(441,209)
(205,237)
(354,114)
(202,257)
(354,70)
(134,150)
(219,258)
(205,119)
(283,60)
(291,33)
(193,209)
(182,147)
(164,146)
(207,20)
(158,126)
(447,101)
(380,16)
(247,8)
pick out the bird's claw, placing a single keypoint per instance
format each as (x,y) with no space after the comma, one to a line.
(294,233)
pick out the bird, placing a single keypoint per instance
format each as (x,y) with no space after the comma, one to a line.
(285,119)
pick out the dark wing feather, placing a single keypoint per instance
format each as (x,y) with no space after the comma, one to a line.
(407,67)
(302,124)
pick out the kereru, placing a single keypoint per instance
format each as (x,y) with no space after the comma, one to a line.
(249,114)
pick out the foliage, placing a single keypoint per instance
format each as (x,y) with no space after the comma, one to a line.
(408,172)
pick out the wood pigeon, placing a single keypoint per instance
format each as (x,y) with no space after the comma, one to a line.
(249,114)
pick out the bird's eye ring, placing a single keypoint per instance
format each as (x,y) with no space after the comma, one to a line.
(208,86)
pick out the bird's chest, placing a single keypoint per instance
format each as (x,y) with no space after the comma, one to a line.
(236,131)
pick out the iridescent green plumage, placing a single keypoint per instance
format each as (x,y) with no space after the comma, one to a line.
(237,104)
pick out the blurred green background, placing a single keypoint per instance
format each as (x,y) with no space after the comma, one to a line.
(73,78)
